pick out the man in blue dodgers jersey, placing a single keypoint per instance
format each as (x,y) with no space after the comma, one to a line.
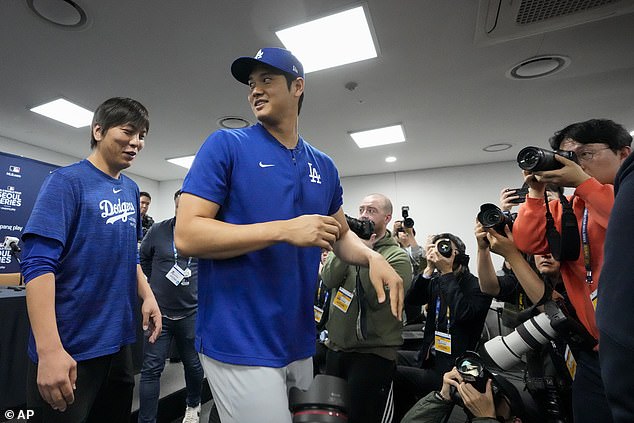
(257,206)
(82,274)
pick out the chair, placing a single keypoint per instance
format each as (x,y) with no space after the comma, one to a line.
(10,279)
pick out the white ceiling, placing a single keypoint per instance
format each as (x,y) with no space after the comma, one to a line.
(450,93)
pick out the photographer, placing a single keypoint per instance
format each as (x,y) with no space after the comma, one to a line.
(547,378)
(405,235)
(600,146)
(485,407)
(456,310)
(363,334)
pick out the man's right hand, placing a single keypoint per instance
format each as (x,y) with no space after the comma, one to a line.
(56,378)
(449,379)
(312,231)
(481,236)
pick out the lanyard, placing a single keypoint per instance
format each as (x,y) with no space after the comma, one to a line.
(189,260)
(586,245)
(438,313)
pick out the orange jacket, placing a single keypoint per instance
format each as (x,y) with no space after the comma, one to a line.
(529,232)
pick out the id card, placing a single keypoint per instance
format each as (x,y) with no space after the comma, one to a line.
(319,312)
(571,363)
(175,275)
(343,299)
(594,297)
(442,342)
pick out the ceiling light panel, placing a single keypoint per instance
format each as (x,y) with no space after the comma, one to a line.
(66,112)
(381,136)
(185,161)
(335,40)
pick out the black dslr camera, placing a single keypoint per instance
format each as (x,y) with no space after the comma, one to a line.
(363,228)
(324,402)
(473,371)
(535,159)
(408,222)
(491,216)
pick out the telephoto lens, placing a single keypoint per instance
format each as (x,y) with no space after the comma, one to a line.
(535,159)
(324,402)
(506,351)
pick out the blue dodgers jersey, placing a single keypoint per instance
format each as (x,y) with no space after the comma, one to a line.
(97,220)
(256,309)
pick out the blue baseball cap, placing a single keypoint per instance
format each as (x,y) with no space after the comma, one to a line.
(278,58)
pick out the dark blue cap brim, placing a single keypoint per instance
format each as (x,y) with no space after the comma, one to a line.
(242,67)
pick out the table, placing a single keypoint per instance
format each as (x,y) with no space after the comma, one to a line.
(14,337)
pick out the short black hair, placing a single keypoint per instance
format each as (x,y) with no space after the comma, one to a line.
(145,194)
(177,194)
(594,131)
(119,111)
(290,78)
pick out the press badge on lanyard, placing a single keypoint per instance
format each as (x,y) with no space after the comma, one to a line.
(442,340)
(343,299)
(176,274)
(593,298)
(571,363)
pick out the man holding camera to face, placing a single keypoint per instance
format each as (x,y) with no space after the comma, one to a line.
(456,310)
(498,401)
(599,147)
(364,336)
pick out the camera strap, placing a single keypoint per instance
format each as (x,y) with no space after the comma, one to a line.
(564,246)
(361,326)
(570,239)
(552,236)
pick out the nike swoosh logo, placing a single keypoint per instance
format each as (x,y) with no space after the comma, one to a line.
(265,165)
(116,191)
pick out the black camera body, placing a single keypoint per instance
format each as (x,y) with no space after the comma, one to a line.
(535,159)
(408,222)
(324,402)
(491,216)
(363,228)
(521,194)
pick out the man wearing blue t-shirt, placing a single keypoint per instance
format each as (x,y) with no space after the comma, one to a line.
(257,206)
(82,274)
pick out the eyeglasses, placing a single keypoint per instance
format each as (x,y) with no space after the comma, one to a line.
(588,155)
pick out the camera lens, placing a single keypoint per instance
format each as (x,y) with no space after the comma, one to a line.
(537,159)
(444,247)
(491,217)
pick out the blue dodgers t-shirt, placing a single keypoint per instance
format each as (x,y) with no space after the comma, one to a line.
(257,308)
(96,219)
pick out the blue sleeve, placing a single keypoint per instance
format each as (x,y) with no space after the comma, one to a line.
(40,255)
(210,173)
(54,212)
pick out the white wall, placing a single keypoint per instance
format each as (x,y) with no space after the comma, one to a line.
(18,148)
(440,200)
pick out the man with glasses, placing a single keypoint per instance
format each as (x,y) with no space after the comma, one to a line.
(601,146)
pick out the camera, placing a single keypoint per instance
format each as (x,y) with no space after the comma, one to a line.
(324,402)
(444,247)
(537,159)
(363,228)
(408,222)
(521,193)
(506,351)
(491,216)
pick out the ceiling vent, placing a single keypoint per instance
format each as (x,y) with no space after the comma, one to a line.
(503,20)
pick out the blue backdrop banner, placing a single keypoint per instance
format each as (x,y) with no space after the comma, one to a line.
(20,182)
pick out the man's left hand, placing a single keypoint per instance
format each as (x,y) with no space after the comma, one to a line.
(571,175)
(384,277)
(152,319)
